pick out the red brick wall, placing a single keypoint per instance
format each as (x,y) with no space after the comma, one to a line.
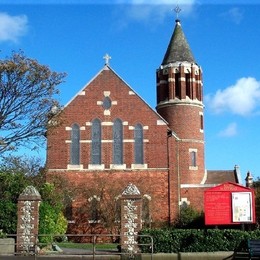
(195,196)
(111,184)
(129,108)
(185,121)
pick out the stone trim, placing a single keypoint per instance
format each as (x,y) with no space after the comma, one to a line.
(96,166)
(138,166)
(75,167)
(118,166)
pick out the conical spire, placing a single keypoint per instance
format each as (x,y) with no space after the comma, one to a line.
(178,48)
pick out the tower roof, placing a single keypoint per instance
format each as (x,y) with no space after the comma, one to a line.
(178,48)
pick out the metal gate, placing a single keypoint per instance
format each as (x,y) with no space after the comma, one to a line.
(79,246)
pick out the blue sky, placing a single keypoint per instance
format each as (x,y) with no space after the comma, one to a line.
(73,37)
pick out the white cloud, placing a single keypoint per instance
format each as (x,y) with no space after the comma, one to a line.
(231,130)
(12,27)
(145,10)
(242,99)
(234,14)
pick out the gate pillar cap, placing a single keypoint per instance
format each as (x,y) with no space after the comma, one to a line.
(30,193)
(131,189)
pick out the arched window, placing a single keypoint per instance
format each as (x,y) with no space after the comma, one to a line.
(94,208)
(193,158)
(188,85)
(118,209)
(138,136)
(74,147)
(68,207)
(177,85)
(96,142)
(118,142)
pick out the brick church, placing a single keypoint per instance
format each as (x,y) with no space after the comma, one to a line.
(108,137)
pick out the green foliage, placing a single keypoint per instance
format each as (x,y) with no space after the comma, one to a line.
(2,234)
(197,240)
(256,186)
(16,173)
(11,185)
(189,218)
(52,221)
(8,216)
(22,164)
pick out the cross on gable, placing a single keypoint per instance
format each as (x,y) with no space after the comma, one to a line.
(107,58)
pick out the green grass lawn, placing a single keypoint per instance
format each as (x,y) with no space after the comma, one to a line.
(99,246)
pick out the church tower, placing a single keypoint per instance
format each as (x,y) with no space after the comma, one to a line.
(179,102)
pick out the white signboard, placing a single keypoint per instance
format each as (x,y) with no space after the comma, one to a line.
(242,207)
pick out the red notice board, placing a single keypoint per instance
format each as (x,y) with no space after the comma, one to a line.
(229,203)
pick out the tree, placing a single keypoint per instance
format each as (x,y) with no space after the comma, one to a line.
(256,186)
(11,185)
(30,166)
(16,173)
(27,103)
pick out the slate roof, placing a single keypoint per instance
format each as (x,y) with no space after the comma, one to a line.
(220,176)
(178,48)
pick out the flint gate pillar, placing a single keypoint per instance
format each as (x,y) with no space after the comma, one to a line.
(28,220)
(131,218)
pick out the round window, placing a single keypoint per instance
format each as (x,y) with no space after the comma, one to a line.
(107,103)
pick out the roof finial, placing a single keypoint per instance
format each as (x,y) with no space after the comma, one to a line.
(107,58)
(177,10)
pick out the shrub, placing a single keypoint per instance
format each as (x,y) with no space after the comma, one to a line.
(197,240)
(52,221)
(189,218)
(2,234)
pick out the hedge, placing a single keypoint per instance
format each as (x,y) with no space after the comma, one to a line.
(197,240)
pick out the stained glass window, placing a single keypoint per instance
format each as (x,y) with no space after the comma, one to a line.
(74,147)
(118,142)
(138,136)
(96,142)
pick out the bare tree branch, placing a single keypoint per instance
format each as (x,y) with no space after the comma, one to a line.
(27,91)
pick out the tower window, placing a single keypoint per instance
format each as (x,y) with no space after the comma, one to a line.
(96,142)
(118,142)
(193,159)
(177,85)
(74,147)
(138,137)
(187,81)
(198,90)
(201,122)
